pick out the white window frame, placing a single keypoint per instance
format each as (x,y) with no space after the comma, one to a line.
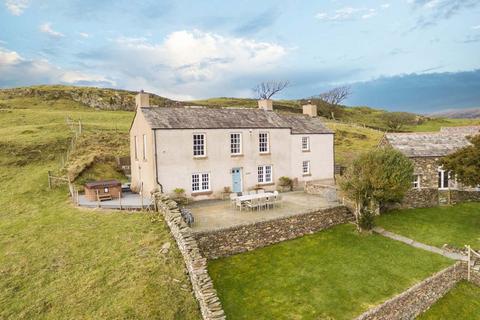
(263,176)
(416,182)
(144,147)
(306,167)
(200,182)
(237,145)
(442,179)
(305,143)
(263,143)
(201,153)
(135,142)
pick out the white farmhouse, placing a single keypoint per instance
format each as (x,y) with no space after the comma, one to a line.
(203,151)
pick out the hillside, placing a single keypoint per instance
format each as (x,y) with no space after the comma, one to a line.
(60,262)
(99,98)
(471,113)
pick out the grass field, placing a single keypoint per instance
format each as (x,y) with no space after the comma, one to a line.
(454,225)
(59,262)
(435,124)
(334,274)
(461,303)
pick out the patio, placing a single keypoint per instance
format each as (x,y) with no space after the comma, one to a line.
(220,214)
(129,201)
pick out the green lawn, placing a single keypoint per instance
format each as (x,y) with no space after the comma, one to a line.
(334,274)
(455,225)
(435,124)
(461,303)
(59,262)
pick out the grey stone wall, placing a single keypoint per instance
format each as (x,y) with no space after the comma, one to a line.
(226,242)
(416,300)
(427,167)
(327,191)
(420,198)
(196,264)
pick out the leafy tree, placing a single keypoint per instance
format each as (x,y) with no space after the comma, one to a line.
(377,177)
(397,120)
(465,163)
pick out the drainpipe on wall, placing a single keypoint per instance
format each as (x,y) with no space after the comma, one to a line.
(156,156)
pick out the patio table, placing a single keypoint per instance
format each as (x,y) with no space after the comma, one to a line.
(249,197)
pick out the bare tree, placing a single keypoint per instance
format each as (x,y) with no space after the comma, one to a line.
(336,95)
(266,90)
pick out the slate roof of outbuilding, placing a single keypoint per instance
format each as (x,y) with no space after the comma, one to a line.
(429,144)
(230,118)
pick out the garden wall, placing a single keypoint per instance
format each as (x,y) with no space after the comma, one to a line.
(328,191)
(226,242)
(196,264)
(416,300)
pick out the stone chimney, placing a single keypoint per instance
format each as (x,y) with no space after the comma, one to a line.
(265,104)
(310,109)
(142,99)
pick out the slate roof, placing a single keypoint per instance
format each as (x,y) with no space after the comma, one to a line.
(427,144)
(230,118)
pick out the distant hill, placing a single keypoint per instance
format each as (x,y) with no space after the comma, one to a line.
(471,113)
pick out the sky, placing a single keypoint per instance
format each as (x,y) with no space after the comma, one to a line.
(412,55)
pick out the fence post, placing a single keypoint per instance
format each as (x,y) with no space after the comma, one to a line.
(141,194)
(49,180)
(120,199)
(98,199)
(469,257)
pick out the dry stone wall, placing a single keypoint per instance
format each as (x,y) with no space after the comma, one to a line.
(202,285)
(226,242)
(416,300)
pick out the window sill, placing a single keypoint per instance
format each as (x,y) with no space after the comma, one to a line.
(266,184)
(307,174)
(236,155)
(264,153)
(201,193)
(199,157)
(306,150)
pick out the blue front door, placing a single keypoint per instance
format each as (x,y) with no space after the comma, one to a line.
(237,180)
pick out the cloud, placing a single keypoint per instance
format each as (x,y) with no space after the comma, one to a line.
(476,27)
(18,71)
(433,11)
(472,38)
(420,92)
(189,62)
(84,34)
(16,7)
(347,13)
(47,29)
(258,23)
(385,6)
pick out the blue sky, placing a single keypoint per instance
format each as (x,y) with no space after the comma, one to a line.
(417,55)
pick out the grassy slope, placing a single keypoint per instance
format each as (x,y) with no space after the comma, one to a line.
(462,302)
(455,225)
(334,274)
(57,261)
(435,124)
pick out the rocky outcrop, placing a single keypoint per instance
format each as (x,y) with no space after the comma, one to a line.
(104,99)
(202,285)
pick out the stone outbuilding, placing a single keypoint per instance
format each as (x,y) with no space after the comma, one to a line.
(431,185)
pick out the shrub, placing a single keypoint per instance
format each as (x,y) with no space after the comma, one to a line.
(286,182)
